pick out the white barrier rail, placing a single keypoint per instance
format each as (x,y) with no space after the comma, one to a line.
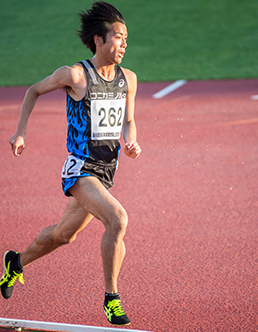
(19,325)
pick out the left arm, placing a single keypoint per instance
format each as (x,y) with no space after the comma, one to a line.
(131,148)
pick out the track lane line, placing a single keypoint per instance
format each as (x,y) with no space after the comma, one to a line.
(172,87)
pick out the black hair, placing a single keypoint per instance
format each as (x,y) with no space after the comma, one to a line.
(97,21)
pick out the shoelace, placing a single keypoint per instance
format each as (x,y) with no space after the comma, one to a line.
(11,279)
(116,306)
(14,277)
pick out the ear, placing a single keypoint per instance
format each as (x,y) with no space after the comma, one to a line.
(98,40)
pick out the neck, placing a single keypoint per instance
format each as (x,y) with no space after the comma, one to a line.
(106,71)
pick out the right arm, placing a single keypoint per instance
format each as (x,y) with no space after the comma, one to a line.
(65,77)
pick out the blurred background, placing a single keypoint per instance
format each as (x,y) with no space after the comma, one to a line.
(168,40)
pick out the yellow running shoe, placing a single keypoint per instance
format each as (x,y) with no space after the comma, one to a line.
(10,275)
(115,313)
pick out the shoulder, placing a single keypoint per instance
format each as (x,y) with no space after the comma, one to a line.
(131,79)
(130,75)
(72,75)
(73,79)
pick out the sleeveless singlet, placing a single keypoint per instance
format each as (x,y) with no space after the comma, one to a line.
(95,122)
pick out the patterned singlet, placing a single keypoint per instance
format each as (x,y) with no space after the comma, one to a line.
(95,122)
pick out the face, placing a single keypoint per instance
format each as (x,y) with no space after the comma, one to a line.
(114,48)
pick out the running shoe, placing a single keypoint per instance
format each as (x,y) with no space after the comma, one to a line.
(10,275)
(115,313)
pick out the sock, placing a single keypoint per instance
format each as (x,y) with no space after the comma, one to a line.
(16,264)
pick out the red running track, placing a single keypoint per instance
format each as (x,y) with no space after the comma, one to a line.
(192,200)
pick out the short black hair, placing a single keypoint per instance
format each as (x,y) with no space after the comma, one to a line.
(97,21)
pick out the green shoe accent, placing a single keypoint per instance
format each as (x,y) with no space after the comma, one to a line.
(115,313)
(10,276)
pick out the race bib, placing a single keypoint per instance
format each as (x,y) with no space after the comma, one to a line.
(107,118)
(72,167)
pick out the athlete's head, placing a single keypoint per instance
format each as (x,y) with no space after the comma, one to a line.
(98,21)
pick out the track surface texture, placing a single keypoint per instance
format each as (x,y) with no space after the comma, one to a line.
(192,201)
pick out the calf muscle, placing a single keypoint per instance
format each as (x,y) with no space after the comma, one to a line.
(95,198)
(74,219)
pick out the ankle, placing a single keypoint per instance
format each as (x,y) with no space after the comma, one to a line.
(16,264)
(110,297)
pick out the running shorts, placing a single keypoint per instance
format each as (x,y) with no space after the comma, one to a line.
(75,168)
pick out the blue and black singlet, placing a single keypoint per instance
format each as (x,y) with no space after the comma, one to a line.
(95,122)
(94,129)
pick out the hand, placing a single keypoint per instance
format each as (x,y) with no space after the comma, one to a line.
(18,144)
(132,150)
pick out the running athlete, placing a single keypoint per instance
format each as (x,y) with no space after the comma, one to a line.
(100,106)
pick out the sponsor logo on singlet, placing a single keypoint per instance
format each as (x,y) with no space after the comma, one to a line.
(107,95)
(121,83)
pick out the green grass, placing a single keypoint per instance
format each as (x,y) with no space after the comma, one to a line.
(168,40)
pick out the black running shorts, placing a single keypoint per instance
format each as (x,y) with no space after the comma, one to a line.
(75,168)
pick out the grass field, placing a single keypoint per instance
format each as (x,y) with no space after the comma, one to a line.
(168,40)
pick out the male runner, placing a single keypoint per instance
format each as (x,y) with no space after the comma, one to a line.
(100,104)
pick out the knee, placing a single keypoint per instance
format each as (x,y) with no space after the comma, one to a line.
(119,222)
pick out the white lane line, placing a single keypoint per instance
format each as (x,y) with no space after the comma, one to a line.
(172,87)
(19,324)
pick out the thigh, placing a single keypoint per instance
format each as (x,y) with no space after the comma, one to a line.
(74,219)
(96,199)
